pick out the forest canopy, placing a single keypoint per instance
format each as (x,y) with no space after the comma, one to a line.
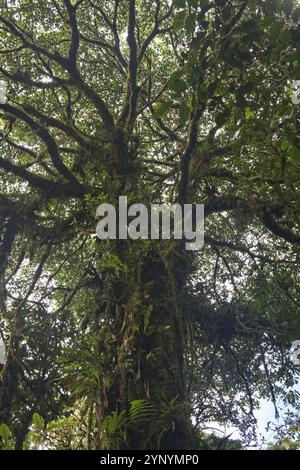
(142,344)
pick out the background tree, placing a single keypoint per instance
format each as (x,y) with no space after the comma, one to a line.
(183,101)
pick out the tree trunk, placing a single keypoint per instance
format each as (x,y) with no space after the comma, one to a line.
(8,386)
(140,348)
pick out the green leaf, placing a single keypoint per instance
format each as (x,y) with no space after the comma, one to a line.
(149,356)
(162,108)
(284,145)
(38,421)
(140,410)
(203,93)
(190,24)
(179,3)
(176,75)
(112,262)
(178,86)
(5,432)
(179,20)
(184,112)
(294,154)
(248,113)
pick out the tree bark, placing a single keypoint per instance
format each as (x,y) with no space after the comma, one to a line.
(145,344)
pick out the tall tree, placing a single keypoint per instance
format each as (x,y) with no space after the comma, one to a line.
(186,101)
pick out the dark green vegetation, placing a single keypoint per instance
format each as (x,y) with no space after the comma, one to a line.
(118,344)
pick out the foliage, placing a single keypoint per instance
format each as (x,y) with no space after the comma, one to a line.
(6,442)
(287,438)
(141,344)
